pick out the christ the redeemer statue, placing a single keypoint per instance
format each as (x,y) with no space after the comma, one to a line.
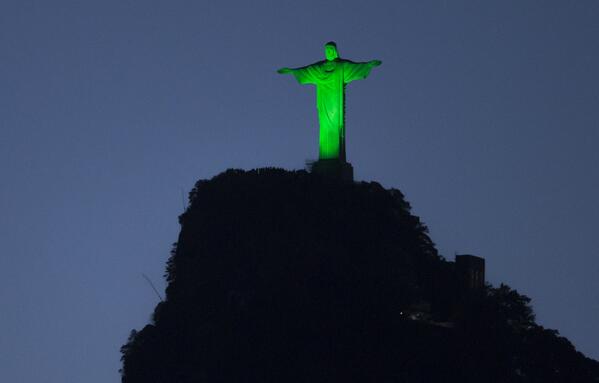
(330,77)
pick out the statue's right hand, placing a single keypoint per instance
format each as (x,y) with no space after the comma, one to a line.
(284,70)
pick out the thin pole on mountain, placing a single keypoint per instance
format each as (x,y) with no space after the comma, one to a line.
(152,286)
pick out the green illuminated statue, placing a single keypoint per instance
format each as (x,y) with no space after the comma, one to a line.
(330,77)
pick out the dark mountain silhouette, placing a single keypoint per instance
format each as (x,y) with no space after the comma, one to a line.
(281,276)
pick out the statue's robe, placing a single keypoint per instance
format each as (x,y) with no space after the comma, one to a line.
(330,78)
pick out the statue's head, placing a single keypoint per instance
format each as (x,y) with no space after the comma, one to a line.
(330,51)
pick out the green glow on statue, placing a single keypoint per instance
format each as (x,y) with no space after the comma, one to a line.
(330,77)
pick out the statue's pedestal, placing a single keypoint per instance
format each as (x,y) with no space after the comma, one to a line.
(333,168)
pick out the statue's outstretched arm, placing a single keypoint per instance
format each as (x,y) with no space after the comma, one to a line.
(304,75)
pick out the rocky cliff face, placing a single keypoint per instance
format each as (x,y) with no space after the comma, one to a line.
(287,276)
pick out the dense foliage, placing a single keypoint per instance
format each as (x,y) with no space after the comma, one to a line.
(289,277)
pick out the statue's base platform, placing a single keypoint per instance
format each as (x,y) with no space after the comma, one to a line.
(333,168)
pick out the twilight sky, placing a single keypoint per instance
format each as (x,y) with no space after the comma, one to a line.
(485,114)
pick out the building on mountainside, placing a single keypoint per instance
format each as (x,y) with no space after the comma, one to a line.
(470,272)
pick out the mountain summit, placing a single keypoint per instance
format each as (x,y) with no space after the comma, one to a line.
(288,276)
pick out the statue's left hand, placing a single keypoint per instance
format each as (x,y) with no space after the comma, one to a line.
(374,63)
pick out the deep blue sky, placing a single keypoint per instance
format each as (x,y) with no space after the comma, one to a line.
(485,114)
